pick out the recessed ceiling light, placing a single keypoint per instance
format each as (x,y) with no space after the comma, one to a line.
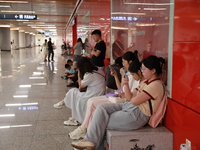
(13,2)
(149,3)
(43,27)
(124,13)
(4,5)
(155,8)
(14,29)
(22,20)
(12,11)
(4,25)
(33,25)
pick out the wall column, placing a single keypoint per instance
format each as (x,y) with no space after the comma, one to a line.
(14,35)
(27,39)
(74,34)
(22,43)
(5,42)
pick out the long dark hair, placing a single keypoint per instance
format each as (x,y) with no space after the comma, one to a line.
(84,65)
(118,61)
(153,62)
(80,40)
(130,56)
(135,66)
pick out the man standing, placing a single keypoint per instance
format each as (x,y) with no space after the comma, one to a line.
(99,51)
(50,49)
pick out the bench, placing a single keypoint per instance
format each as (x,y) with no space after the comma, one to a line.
(146,138)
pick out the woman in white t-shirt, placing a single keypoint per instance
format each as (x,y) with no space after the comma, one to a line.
(89,78)
(129,115)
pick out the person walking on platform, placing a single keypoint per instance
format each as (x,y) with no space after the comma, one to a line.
(50,49)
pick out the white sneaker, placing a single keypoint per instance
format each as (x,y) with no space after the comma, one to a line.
(83,145)
(77,134)
(59,105)
(71,122)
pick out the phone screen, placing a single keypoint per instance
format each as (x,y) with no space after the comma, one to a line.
(125,75)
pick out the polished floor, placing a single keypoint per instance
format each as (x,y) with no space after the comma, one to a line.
(28,89)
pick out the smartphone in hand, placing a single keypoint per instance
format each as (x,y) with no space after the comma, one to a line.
(112,70)
(125,75)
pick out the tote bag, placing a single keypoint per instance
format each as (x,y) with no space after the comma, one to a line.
(157,117)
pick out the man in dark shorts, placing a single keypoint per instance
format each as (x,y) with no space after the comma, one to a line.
(99,51)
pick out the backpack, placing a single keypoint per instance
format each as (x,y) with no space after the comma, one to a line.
(157,117)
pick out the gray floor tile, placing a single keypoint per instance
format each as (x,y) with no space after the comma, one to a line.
(34,127)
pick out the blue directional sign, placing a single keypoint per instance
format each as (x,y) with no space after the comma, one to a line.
(17,16)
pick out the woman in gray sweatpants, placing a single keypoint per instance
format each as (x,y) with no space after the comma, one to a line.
(114,116)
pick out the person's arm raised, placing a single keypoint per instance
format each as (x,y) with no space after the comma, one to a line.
(114,74)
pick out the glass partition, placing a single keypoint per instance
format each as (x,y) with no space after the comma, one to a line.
(143,25)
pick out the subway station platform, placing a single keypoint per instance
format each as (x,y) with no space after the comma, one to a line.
(28,89)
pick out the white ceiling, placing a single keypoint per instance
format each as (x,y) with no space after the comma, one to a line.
(51,15)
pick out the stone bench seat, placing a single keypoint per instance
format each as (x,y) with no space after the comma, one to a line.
(146,138)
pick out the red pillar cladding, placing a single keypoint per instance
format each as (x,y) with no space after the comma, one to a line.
(183,114)
(74,34)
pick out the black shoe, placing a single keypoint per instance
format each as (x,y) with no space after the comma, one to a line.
(71,85)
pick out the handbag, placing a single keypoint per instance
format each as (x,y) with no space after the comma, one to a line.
(157,117)
(112,94)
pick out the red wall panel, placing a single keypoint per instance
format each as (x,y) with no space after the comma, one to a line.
(187,20)
(186,74)
(183,113)
(184,123)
